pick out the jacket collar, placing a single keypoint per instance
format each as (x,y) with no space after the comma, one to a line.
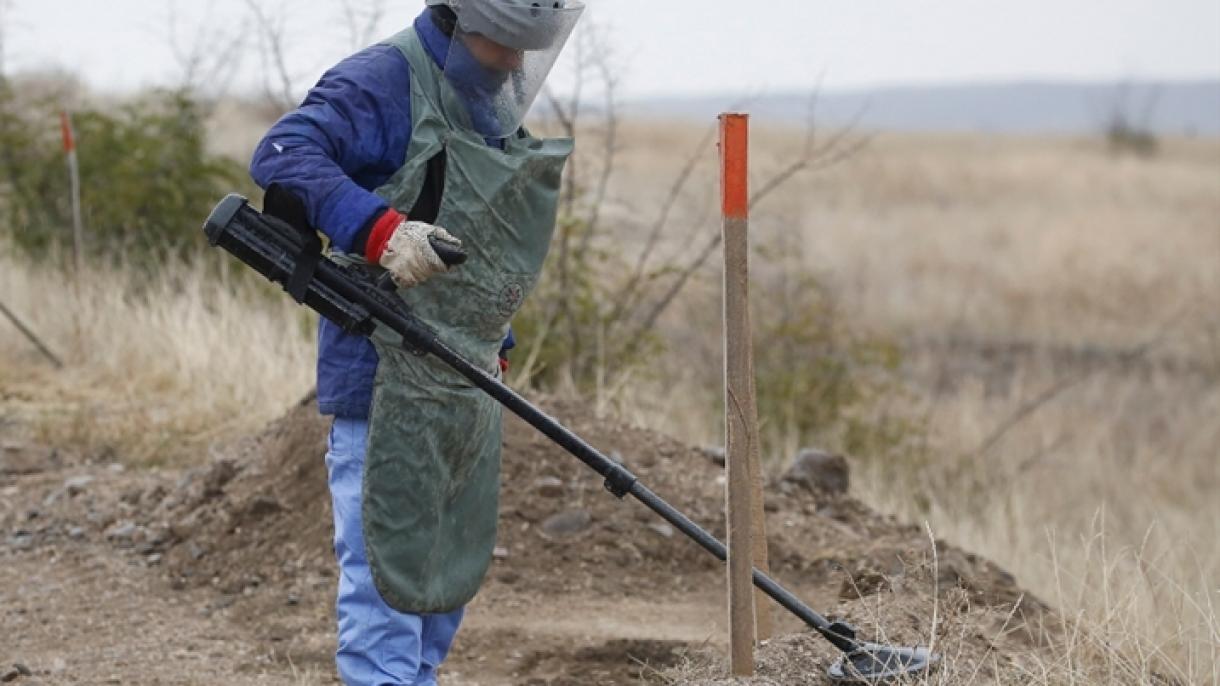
(435,42)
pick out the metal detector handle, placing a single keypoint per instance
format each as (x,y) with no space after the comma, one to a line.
(451,254)
(288,208)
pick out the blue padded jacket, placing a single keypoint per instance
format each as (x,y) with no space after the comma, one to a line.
(346,139)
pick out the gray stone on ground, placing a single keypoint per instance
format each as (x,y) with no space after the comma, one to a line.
(188,477)
(16,671)
(21,540)
(715,453)
(124,532)
(260,506)
(53,497)
(820,471)
(662,529)
(77,484)
(218,476)
(567,523)
(99,519)
(132,496)
(158,534)
(549,487)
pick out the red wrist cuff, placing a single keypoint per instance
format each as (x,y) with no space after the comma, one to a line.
(379,236)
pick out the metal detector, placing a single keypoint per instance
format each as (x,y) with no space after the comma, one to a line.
(357,302)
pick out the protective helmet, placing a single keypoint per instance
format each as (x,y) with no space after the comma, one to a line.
(518,24)
(500,55)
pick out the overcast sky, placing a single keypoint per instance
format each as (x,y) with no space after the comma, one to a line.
(684,47)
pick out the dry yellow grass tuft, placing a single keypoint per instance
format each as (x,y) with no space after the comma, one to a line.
(156,367)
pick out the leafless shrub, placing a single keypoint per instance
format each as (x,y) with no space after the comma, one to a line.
(362,19)
(1128,127)
(207,58)
(271,26)
(598,307)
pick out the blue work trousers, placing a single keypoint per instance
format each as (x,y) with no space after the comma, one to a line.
(378,646)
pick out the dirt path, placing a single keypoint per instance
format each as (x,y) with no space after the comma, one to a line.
(86,615)
(90,613)
(80,604)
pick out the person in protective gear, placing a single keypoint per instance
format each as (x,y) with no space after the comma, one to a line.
(420,132)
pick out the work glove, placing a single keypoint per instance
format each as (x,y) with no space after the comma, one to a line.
(405,248)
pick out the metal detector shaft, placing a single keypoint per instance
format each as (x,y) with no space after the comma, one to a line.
(270,246)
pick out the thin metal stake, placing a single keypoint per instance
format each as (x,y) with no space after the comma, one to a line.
(30,335)
(78,230)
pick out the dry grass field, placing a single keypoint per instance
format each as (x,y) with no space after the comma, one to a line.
(1057,308)
(154,368)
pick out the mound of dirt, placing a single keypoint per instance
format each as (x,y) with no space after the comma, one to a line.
(258,516)
(259,513)
(585,589)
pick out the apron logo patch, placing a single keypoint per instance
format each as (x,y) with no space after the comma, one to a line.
(510,299)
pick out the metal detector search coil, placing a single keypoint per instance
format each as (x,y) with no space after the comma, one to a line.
(357,302)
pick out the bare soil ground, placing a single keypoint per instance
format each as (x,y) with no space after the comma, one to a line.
(223,573)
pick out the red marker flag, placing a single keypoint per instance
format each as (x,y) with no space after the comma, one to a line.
(65,124)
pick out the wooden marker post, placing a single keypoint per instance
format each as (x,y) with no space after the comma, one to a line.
(746,533)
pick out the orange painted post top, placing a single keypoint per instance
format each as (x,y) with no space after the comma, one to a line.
(734,157)
(65,126)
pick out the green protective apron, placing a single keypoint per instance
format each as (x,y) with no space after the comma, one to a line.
(432,473)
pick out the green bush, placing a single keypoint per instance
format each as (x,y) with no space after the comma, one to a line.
(1124,137)
(574,329)
(820,379)
(563,308)
(147,180)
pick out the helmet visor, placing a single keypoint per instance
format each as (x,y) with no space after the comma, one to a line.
(499,58)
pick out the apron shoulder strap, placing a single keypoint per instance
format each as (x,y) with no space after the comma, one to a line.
(428,205)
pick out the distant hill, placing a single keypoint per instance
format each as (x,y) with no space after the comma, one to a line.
(1172,107)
